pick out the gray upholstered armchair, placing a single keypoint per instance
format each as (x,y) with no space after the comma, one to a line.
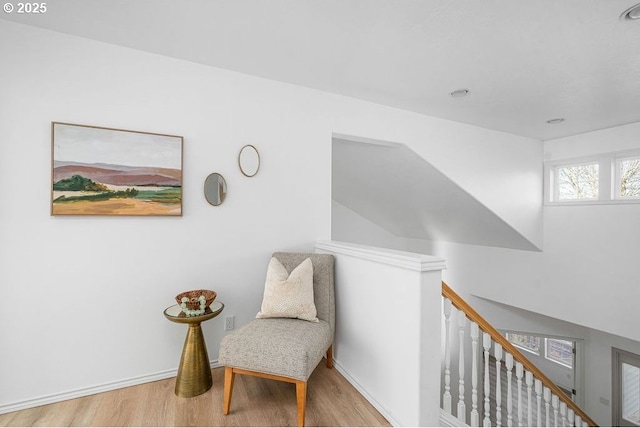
(285,349)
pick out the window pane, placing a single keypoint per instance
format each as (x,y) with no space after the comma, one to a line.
(577,182)
(629,170)
(631,393)
(560,351)
(524,341)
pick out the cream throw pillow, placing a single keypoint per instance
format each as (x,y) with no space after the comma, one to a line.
(289,295)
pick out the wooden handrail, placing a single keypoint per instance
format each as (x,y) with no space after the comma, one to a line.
(474,316)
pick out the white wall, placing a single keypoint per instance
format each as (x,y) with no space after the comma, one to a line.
(583,285)
(589,259)
(129,269)
(591,251)
(619,138)
(501,171)
(591,298)
(82,297)
(350,226)
(388,307)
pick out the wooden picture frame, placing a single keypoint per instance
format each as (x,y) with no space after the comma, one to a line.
(108,171)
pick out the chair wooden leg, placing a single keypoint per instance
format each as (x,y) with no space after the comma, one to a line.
(330,357)
(229,377)
(301,399)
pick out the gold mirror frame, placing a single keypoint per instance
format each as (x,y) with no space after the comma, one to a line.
(249,160)
(215,189)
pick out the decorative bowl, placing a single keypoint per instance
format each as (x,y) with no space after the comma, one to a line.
(195,302)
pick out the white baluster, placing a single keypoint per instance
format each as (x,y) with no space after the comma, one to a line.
(498,355)
(570,417)
(486,344)
(529,381)
(462,320)
(446,397)
(554,404)
(538,389)
(519,373)
(547,398)
(563,413)
(509,364)
(475,334)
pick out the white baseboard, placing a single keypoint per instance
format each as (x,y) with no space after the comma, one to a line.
(83,392)
(365,394)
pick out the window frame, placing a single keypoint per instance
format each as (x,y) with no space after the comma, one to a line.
(608,179)
(524,348)
(556,183)
(553,360)
(617,182)
(618,358)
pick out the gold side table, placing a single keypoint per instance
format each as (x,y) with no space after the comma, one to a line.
(194,372)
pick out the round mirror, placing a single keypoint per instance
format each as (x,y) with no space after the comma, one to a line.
(215,189)
(249,160)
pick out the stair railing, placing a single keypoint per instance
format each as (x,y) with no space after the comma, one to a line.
(546,404)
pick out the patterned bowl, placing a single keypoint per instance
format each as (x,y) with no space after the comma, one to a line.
(195,302)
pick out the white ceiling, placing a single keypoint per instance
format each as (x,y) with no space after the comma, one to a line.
(524,61)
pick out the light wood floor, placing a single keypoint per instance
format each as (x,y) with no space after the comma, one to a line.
(331,401)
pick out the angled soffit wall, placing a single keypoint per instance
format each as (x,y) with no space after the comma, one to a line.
(392,186)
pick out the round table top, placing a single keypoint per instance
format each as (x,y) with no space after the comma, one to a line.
(174,313)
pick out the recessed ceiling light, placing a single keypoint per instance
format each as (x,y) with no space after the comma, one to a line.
(459,93)
(631,14)
(555,121)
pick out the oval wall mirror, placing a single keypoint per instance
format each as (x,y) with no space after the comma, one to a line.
(215,189)
(249,160)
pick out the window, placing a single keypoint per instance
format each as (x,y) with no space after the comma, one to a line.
(612,178)
(577,182)
(628,178)
(625,388)
(559,351)
(525,341)
(631,393)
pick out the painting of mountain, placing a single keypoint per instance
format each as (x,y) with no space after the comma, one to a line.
(118,175)
(105,171)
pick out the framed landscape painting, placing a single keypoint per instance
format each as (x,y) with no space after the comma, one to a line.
(105,171)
